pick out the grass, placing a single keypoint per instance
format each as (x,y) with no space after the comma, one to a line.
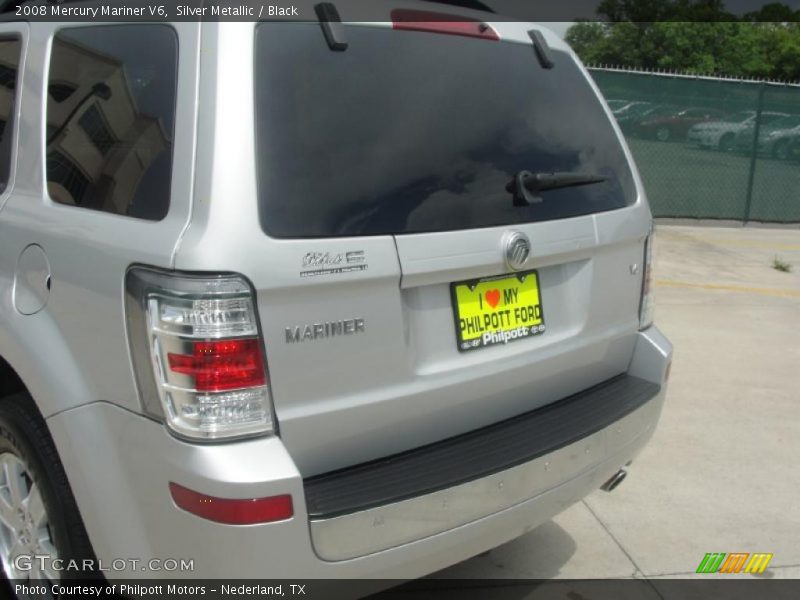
(780,265)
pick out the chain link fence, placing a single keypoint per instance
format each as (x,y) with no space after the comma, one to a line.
(708,147)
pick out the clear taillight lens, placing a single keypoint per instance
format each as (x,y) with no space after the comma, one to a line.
(647,306)
(208,317)
(198,354)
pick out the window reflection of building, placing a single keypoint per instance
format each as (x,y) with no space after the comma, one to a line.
(96,128)
(8,75)
(100,144)
(60,91)
(62,170)
(9,59)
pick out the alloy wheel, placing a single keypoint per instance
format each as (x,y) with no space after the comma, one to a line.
(24,523)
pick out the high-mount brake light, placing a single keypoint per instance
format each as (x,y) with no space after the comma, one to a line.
(198,353)
(434,22)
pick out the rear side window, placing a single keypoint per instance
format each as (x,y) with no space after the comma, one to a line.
(9,65)
(110,118)
(419,132)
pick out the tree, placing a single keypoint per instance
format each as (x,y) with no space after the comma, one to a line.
(694,37)
(650,11)
(586,39)
(774,13)
(782,46)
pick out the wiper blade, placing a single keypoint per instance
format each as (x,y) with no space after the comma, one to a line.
(526,186)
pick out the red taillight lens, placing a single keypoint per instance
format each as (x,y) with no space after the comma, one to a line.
(231,511)
(222,365)
(433,22)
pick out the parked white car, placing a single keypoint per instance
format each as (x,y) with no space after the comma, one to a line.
(721,135)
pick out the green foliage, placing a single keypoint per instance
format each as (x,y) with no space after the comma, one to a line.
(781,265)
(775,13)
(692,36)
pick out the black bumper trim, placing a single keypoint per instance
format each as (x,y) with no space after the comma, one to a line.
(477,453)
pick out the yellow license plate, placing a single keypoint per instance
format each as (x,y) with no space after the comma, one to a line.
(497,310)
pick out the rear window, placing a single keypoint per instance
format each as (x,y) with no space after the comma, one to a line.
(408,132)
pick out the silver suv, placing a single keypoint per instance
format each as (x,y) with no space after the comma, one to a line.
(311,299)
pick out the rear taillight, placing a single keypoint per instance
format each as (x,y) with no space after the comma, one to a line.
(198,354)
(433,22)
(646,305)
(221,365)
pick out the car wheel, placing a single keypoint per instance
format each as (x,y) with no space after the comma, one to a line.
(781,150)
(38,514)
(662,134)
(726,144)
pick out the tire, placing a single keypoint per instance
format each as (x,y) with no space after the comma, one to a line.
(663,134)
(781,150)
(727,142)
(53,525)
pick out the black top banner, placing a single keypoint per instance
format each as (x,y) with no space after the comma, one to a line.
(379,10)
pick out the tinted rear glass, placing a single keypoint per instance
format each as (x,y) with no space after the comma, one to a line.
(9,63)
(110,113)
(418,132)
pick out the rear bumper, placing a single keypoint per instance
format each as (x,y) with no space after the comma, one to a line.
(372,507)
(120,465)
(584,465)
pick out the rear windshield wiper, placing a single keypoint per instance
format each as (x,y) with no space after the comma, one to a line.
(526,186)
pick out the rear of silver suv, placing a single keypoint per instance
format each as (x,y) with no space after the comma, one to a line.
(396,313)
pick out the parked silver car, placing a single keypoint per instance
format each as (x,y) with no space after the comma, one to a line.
(721,135)
(311,299)
(774,138)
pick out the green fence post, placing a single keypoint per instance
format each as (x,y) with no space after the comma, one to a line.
(754,154)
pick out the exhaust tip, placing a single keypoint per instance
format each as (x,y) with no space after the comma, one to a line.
(616,479)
